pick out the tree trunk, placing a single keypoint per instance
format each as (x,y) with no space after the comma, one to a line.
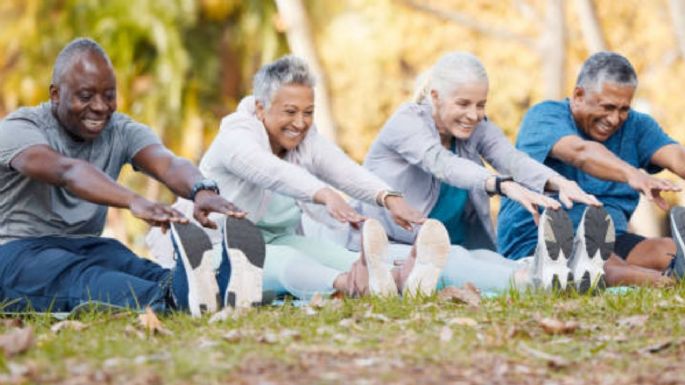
(553,50)
(678,15)
(590,26)
(301,43)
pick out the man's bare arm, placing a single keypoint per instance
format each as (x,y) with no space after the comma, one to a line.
(671,157)
(595,159)
(42,163)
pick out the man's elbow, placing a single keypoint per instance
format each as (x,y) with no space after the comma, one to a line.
(582,153)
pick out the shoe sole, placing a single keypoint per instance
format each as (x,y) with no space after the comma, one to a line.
(555,244)
(596,231)
(195,250)
(246,252)
(375,245)
(432,248)
(677,219)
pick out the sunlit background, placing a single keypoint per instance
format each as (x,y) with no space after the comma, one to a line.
(183,64)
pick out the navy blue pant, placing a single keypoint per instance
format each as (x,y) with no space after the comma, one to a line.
(58,274)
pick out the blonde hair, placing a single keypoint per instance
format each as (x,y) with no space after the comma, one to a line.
(450,71)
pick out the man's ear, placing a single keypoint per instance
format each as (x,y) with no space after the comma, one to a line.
(578,95)
(54,94)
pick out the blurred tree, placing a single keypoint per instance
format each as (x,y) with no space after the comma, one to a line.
(183,64)
(296,24)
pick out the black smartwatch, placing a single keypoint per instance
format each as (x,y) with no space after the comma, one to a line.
(205,184)
(499,179)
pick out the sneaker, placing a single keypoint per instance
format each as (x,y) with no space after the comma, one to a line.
(245,250)
(432,248)
(374,250)
(592,246)
(677,220)
(194,284)
(555,243)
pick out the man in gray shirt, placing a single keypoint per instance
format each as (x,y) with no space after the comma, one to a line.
(59,162)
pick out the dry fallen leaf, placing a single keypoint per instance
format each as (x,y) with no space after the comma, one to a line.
(374,316)
(462,321)
(152,324)
(17,341)
(555,326)
(555,362)
(446,334)
(308,310)
(633,321)
(468,294)
(290,333)
(660,346)
(133,332)
(233,336)
(72,325)
(267,338)
(221,315)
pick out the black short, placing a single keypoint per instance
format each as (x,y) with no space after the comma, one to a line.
(625,243)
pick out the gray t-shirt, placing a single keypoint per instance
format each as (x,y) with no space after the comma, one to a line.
(29,208)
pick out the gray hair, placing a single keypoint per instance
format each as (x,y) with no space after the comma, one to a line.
(73,50)
(604,67)
(450,71)
(271,77)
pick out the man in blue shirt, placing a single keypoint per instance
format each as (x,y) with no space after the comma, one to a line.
(597,140)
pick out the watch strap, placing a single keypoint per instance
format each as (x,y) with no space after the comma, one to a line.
(205,184)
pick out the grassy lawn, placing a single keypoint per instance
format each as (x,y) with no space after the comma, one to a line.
(633,337)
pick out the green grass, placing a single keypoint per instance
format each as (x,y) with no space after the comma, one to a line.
(367,341)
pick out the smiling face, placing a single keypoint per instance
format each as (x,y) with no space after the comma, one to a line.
(85,98)
(288,118)
(458,113)
(601,113)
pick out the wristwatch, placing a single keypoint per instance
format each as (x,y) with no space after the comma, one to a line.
(388,193)
(499,179)
(205,184)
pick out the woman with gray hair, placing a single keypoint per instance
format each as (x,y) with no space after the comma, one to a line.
(432,149)
(270,161)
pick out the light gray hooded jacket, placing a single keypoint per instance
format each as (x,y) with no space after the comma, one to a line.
(409,156)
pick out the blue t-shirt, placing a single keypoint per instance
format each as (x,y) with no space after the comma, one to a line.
(542,127)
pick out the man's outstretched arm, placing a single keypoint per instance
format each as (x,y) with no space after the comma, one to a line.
(596,160)
(672,158)
(40,162)
(180,175)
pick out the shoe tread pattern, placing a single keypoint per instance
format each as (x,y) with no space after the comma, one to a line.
(244,235)
(194,241)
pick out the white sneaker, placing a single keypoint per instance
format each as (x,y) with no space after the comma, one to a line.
(592,246)
(555,243)
(246,252)
(194,252)
(432,248)
(374,250)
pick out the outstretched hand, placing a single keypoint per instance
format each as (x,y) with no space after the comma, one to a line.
(402,213)
(338,208)
(155,214)
(530,200)
(652,187)
(207,201)
(570,192)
